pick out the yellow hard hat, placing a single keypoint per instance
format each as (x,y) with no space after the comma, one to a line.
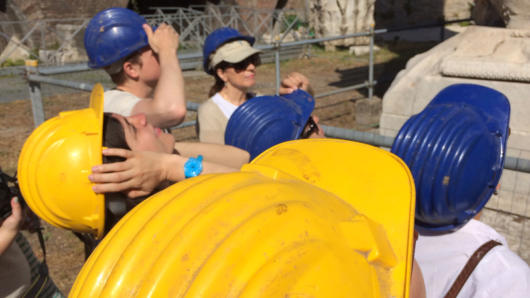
(376,182)
(54,165)
(261,232)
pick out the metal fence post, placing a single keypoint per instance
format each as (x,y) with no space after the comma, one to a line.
(277,64)
(371,64)
(34,93)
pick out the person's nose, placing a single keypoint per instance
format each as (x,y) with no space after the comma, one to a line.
(138,119)
(251,66)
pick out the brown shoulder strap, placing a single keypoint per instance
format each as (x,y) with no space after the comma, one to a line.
(469,267)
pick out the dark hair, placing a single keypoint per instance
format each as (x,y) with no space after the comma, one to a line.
(217,86)
(113,137)
(119,77)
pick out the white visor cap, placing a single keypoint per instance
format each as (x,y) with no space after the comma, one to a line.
(232,52)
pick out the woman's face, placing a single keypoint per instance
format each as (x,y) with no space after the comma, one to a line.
(142,136)
(241,75)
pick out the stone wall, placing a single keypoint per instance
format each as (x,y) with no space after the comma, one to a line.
(494,57)
(341,17)
(60,15)
(61,9)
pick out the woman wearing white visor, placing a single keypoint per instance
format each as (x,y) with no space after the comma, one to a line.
(232,60)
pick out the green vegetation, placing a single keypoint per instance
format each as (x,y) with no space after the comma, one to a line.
(10,62)
(292,18)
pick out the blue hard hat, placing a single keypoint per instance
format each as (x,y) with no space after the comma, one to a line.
(264,121)
(218,38)
(114,34)
(455,149)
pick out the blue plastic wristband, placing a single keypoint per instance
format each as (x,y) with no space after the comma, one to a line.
(193,166)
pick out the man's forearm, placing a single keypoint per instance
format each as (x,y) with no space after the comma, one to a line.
(169,95)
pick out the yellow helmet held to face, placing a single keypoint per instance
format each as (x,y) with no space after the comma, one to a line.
(284,226)
(54,165)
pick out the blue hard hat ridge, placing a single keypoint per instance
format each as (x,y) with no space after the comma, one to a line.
(265,121)
(113,34)
(455,150)
(218,38)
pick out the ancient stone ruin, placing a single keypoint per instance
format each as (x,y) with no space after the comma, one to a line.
(336,17)
(23,28)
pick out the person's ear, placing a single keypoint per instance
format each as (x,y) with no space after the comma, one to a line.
(131,69)
(221,74)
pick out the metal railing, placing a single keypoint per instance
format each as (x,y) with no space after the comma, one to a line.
(37,75)
(193,26)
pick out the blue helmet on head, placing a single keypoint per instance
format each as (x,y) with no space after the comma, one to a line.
(455,149)
(216,39)
(114,34)
(265,121)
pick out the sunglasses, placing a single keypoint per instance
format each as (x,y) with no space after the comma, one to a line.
(240,66)
(310,128)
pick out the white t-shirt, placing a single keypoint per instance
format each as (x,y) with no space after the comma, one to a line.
(224,105)
(501,273)
(119,102)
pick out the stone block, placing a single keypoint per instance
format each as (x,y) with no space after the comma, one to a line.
(507,182)
(493,202)
(15,50)
(519,140)
(505,201)
(522,183)
(361,50)
(331,18)
(519,204)
(392,123)
(402,107)
(387,132)
(367,111)
(511,151)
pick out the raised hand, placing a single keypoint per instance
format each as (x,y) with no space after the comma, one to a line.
(11,225)
(164,38)
(139,175)
(294,81)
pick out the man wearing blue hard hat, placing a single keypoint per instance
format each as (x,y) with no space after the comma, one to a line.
(143,64)
(455,149)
